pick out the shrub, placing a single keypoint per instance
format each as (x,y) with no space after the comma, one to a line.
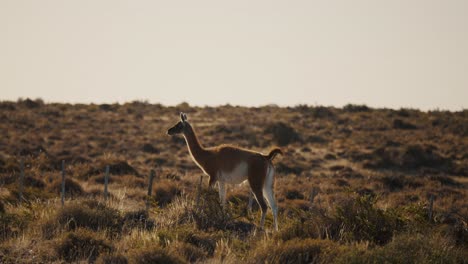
(288,168)
(352,108)
(121,168)
(282,133)
(165,192)
(112,259)
(204,241)
(148,148)
(108,107)
(6,226)
(190,252)
(28,103)
(311,228)
(398,182)
(33,182)
(72,188)
(177,213)
(293,194)
(116,165)
(155,255)
(88,214)
(295,251)
(360,220)
(29,194)
(408,157)
(401,124)
(210,213)
(81,245)
(138,219)
(408,248)
(415,156)
(322,112)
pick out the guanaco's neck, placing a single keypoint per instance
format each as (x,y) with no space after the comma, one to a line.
(197,151)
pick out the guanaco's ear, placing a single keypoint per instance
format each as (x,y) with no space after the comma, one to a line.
(183,117)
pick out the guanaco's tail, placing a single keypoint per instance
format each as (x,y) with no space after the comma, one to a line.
(273,153)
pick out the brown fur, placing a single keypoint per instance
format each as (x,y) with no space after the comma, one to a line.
(225,158)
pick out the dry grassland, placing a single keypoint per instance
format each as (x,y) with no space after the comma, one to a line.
(353,186)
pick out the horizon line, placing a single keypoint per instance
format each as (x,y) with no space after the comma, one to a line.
(148,101)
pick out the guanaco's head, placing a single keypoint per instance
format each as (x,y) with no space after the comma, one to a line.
(179,127)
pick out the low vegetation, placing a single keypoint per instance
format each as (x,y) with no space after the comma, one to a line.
(355,185)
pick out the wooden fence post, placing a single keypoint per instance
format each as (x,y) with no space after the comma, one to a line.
(150,189)
(431,204)
(63,183)
(21,181)
(106,182)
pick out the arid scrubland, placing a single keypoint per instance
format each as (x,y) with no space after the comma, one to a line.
(353,186)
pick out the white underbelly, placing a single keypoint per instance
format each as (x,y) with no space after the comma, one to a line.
(236,176)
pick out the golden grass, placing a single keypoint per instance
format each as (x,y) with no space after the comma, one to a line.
(352,187)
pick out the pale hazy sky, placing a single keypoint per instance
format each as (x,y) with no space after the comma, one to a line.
(393,53)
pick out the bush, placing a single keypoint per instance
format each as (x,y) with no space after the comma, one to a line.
(322,112)
(408,248)
(148,148)
(352,108)
(360,220)
(122,168)
(29,194)
(33,182)
(155,255)
(295,251)
(415,156)
(81,245)
(116,167)
(31,104)
(15,220)
(88,214)
(282,133)
(210,214)
(111,259)
(72,188)
(293,194)
(206,242)
(401,124)
(190,252)
(408,157)
(138,219)
(398,182)
(203,241)
(311,228)
(165,192)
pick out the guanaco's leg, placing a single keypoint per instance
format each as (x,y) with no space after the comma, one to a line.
(269,194)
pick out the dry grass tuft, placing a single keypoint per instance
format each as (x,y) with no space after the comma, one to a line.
(72,188)
(165,192)
(283,134)
(112,259)
(86,214)
(294,251)
(189,252)
(81,245)
(154,254)
(361,220)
